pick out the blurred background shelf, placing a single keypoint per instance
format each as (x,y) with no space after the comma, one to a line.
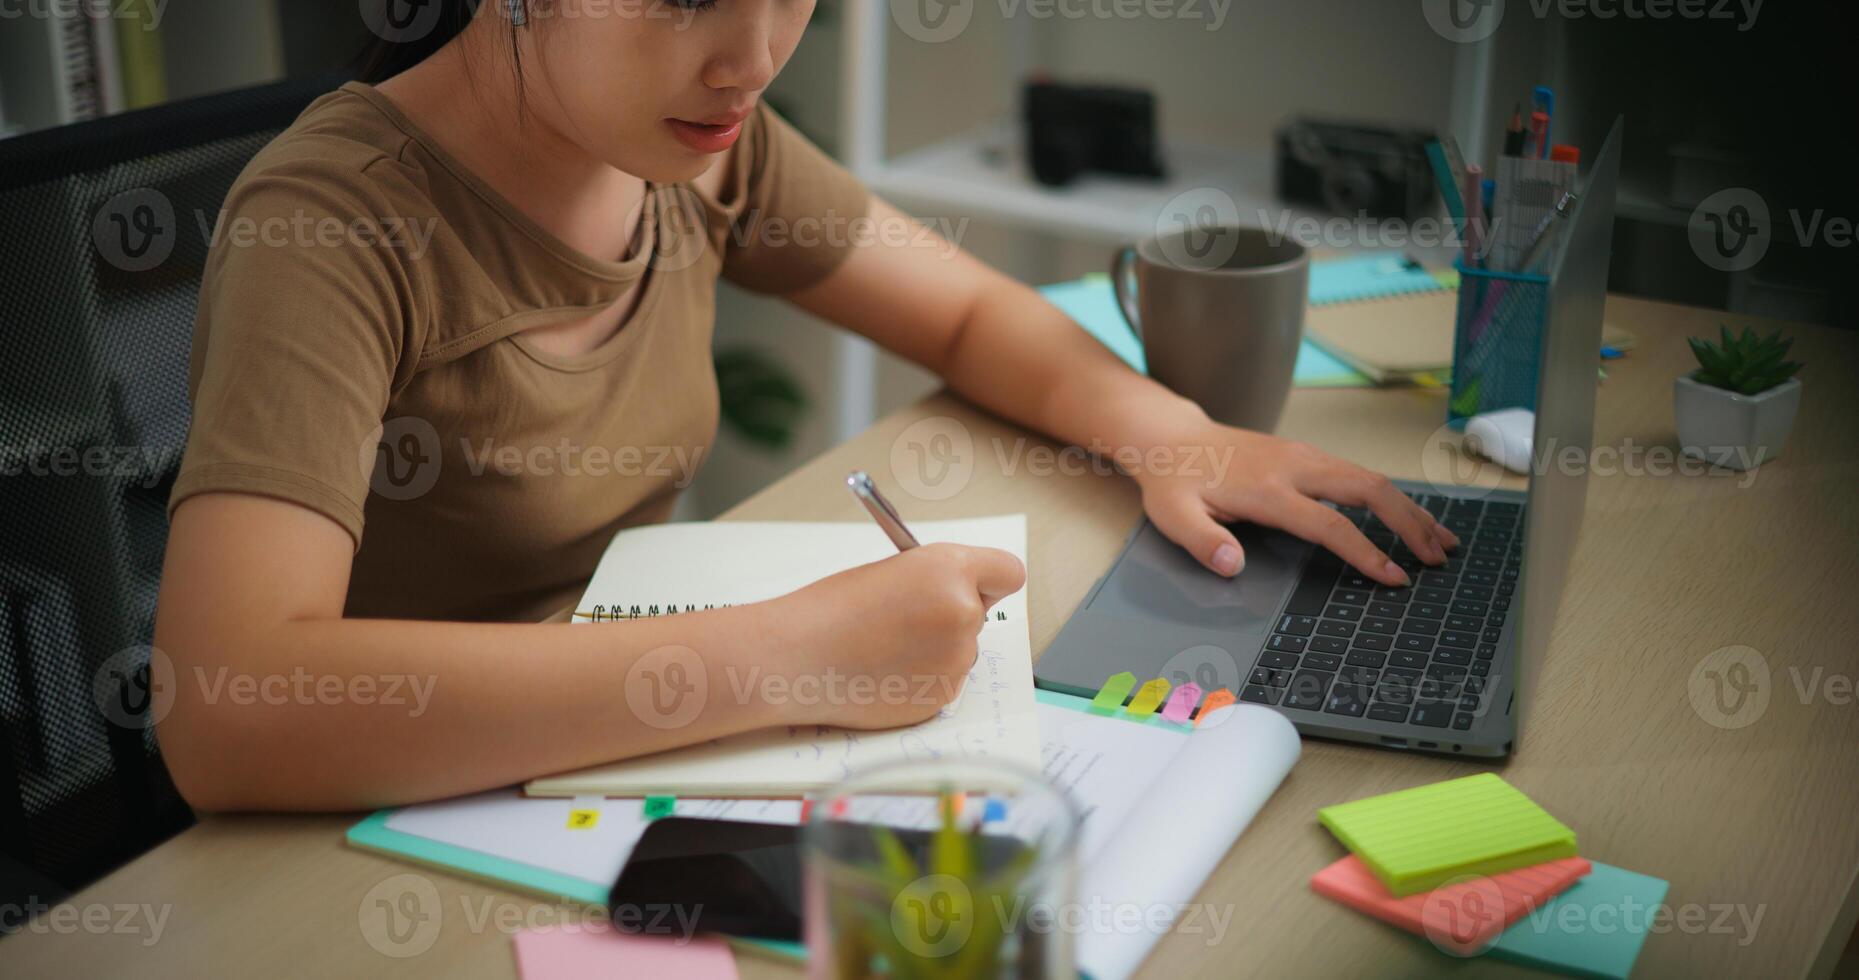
(933,126)
(985,176)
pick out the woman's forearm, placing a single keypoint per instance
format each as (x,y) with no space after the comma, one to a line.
(345,714)
(1019,356)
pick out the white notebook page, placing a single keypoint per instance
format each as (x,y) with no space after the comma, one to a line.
(679,565)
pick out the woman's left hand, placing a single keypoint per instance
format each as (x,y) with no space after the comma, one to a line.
(1219,474)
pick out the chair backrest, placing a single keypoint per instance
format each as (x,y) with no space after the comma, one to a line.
(104,229)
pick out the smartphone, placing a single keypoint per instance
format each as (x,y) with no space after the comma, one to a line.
(737,878)
(727,876)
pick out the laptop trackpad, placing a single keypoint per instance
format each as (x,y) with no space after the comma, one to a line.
(1158,581)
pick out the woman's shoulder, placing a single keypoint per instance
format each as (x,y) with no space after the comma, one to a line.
(342,149)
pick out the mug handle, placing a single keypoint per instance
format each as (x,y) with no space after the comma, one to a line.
(1126,300)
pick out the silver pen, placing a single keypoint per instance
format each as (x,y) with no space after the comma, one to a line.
(880,510)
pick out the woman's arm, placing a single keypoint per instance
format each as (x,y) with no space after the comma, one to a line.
(277,702)
(1002,346)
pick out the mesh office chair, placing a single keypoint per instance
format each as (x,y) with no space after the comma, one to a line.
(103,236)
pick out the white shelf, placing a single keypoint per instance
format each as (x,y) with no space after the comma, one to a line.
(983,175)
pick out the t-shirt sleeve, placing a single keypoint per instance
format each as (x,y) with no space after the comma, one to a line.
(793,213)
(301,335)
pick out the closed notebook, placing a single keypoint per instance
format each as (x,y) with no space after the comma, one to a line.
(1418,839)
(1466,917)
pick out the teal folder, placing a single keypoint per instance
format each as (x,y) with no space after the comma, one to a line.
(373,834)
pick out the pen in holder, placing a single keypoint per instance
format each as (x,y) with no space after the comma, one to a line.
(1497,341)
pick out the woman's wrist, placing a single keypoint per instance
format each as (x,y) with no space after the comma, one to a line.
(1125,412)
(788,656)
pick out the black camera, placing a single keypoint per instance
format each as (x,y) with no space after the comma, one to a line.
(1071,129)
(1349,170)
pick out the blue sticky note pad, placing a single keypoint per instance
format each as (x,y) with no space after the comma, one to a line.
(1381,274)
(1595,929)
(1091,302)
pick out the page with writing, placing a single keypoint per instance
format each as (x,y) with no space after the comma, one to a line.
(670,569)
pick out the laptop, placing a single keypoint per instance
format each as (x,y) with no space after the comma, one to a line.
(1441,666)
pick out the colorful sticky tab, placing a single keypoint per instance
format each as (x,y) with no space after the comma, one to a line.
(1181,703)
(1110,696)
(1417,839)
(659,806)
(1148,697)
(1215,701)
(997,811)
(1466,917)
(579,819)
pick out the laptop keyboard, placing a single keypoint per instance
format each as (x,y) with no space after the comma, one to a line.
(1347,645)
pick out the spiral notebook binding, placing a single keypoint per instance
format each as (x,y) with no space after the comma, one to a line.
(619,612)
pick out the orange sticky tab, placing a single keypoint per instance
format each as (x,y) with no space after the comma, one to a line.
(1215,701)
(1110,696)
(1148,697)
(1181,703)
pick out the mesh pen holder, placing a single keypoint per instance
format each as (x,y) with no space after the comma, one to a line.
(1497,342)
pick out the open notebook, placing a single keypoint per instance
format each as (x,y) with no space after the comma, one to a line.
(666,568)
(1161,803)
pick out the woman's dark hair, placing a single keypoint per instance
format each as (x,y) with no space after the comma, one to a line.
(396,48)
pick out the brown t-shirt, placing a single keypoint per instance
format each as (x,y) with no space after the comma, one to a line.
(358,350)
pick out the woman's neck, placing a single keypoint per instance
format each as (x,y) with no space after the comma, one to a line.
(466,98)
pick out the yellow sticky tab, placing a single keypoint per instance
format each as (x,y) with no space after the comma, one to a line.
(1148,697)
(583,819)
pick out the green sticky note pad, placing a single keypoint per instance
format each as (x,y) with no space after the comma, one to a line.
(1417,839)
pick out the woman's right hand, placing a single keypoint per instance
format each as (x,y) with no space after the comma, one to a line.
(899,633)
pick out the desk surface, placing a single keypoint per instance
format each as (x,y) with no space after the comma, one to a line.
(1744,822)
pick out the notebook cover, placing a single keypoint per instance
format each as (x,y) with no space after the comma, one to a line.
(1462,917)
(1417,839)
(373,834)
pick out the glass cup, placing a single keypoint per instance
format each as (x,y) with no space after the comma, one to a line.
(955,868)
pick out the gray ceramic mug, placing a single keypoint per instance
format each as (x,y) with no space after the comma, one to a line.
(1220,314)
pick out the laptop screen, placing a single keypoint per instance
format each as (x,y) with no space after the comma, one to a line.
(1560,449)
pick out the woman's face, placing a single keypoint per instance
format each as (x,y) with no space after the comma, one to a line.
(656,88)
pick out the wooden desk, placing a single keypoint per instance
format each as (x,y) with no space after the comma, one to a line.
(1758,820)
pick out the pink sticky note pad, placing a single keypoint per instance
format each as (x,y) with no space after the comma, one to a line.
(568,953)
(1463,916)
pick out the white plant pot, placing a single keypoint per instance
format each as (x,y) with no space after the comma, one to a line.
(1736,431)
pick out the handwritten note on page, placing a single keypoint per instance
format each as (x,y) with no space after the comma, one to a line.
(691,566)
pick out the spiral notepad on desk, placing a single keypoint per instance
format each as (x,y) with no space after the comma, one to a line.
(693,566)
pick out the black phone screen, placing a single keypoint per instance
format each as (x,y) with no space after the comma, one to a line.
(737,878)
(726,876)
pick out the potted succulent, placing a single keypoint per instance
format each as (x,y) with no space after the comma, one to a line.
(1736,409)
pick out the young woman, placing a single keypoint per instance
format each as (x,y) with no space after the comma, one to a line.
(512,239)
